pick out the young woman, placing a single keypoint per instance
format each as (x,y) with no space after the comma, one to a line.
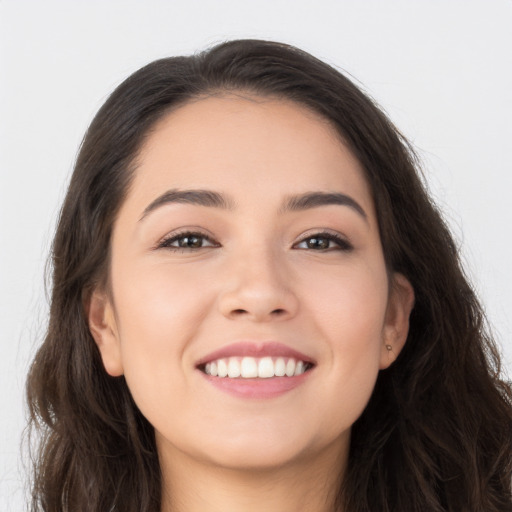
(256,306)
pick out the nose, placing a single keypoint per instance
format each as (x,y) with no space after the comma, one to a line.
(258,288)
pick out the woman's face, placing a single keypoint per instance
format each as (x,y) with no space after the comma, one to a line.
(248,243)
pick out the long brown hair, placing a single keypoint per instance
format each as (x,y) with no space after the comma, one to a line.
(437,432)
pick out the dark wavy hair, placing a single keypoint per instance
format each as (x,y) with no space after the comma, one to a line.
(436,434)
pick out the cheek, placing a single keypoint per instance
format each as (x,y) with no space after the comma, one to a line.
(163,303)
(158,314)
(350,301)
(348,310)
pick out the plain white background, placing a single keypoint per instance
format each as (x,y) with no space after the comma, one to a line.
(442,69)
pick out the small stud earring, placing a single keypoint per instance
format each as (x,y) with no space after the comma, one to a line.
(389,348)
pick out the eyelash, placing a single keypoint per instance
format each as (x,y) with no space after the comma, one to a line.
(167,241)
(341,243)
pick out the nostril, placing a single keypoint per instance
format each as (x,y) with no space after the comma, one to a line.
(278,312)
(239,311)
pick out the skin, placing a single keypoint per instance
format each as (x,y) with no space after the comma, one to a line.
(255,279)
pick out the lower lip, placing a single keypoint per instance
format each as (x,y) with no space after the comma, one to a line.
(257,388)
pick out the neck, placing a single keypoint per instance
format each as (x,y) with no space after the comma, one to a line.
(190,486)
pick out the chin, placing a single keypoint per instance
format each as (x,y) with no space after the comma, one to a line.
(255,459)
(263,451)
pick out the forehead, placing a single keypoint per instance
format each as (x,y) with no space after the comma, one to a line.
(246,144)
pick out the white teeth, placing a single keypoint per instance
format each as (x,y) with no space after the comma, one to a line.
(290,368)
(280,367)
(266,368)
(251,367)
(222,368)
(233,368)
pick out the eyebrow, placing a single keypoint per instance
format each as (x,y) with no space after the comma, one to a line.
(206,198)
(315,199)
(211,199)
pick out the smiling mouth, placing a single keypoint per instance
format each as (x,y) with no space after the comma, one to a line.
(255,368)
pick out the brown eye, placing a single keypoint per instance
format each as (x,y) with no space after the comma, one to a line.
(190,242)
(186,241)
(318,243)
(324,242)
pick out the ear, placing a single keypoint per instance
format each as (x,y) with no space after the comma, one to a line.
(102,324)
(396,325)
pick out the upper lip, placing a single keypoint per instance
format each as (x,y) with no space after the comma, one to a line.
(251,349)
